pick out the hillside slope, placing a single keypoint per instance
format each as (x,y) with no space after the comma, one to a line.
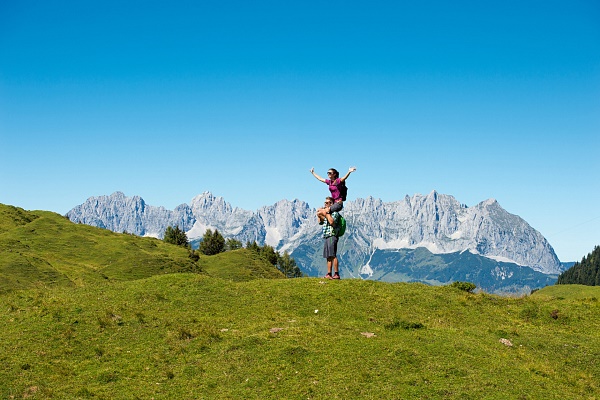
(41,248)
(586,272)
(44,248)
(193,336)
(239,266)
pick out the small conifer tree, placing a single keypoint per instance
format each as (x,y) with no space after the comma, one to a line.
(212,243)
(233,244)
(287,265)
(175,236)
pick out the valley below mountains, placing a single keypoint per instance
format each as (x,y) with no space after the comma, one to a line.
(430,238)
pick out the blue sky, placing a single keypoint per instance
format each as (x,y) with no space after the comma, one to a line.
(166,100)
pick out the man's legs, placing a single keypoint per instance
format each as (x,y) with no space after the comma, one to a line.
(330,262)
(336,267)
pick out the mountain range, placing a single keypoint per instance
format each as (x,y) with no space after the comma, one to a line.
(430,238)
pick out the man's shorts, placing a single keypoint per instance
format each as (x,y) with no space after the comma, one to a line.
(330,247)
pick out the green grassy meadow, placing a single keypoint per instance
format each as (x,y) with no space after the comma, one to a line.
(41,248)
(223,329)
(195,336)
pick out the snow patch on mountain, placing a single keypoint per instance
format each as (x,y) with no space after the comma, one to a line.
(366,270)
(273,236)
(152,235)
(381,244)
(504,259)
(198,230)
(456,235)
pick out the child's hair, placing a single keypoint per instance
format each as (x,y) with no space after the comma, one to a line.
(336,174)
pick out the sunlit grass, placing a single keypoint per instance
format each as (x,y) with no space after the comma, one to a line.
(88,313)
(44,248)
(195,336)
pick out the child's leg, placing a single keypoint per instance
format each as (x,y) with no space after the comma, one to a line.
(321,212)
(337,206)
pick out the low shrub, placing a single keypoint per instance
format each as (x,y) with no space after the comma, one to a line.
(465,286)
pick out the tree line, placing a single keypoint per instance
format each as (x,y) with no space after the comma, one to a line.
(586,272)
(214,243)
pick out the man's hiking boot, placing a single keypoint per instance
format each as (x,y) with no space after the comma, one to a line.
(328,276)
(335,276)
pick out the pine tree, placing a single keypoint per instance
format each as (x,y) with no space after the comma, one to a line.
(212,243)
(175,236)
(232,244)
(253,246)
(268,253)
(287,265)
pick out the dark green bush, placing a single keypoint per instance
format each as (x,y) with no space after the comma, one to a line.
(175,236)
(466,286)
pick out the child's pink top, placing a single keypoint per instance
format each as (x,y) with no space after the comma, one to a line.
(333,188)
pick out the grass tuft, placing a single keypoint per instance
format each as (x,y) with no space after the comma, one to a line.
(403,325)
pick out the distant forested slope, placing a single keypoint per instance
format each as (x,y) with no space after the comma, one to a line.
(586,272)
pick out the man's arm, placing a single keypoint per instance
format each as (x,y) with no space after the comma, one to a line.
(321,219)
(332,221)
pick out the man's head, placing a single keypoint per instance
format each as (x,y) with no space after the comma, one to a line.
(328,201)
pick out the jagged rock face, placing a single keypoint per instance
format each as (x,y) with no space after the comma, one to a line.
(284,220)
(119,213)
(442,225)
(212,212)
(437,222)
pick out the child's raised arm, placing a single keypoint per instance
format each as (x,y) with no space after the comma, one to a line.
(312,171)
(350,170)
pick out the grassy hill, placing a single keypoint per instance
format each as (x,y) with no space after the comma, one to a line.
(40,248)
(239,266)
(109,321)
(44,248)
(195,336)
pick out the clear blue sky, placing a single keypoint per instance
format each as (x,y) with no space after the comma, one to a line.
(167,100)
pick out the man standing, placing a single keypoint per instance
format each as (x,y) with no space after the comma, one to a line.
(330,226)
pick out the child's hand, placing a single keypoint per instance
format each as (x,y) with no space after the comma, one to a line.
(352,169)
